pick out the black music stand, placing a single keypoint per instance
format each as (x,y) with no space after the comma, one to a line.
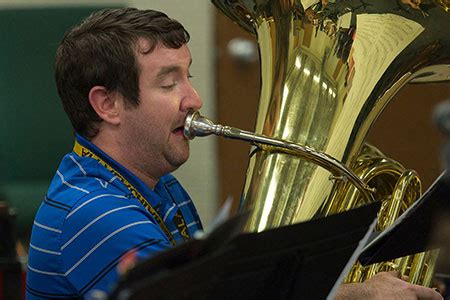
(299,261)
(414,231)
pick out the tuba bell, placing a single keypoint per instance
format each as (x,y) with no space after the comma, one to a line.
(328,69)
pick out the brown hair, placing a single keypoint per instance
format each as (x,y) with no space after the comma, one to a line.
(101,51)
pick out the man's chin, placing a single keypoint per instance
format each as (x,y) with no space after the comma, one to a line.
(178,160)
(179,163)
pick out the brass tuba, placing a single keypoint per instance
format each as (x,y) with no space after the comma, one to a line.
(328,69)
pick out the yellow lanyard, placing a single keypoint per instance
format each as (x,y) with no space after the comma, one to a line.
(83,151)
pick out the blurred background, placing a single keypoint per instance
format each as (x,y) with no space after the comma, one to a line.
(35,132)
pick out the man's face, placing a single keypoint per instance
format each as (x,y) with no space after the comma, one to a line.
(166,95)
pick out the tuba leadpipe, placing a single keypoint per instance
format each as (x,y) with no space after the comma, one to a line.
(198,125)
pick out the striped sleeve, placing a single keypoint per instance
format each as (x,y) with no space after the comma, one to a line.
(98,232)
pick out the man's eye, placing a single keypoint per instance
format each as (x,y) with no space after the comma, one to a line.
(170,86)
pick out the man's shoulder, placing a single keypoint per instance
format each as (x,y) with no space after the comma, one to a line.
(79,178)
(78,185)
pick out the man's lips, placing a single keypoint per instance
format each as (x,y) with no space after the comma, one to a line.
(178,130)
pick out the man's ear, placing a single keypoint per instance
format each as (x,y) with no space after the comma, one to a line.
(106,104)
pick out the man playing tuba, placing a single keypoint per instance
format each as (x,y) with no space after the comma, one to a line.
(123,78)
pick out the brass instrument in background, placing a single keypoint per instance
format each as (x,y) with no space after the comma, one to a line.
(328,69)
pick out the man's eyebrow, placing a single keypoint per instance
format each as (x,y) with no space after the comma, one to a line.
(169,69)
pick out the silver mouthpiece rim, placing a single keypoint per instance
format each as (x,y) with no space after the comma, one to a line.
(189,129)
(198,125)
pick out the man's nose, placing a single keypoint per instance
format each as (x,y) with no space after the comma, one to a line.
(192,101)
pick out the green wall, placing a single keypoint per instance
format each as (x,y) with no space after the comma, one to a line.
(34,130)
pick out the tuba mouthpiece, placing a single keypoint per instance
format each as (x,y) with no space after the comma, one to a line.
(197,125)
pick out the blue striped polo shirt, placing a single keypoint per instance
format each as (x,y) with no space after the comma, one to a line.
(89,219)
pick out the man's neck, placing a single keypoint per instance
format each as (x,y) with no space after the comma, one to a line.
(128,158)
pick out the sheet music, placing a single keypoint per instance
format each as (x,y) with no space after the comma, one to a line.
(378,41)
(223,215)
(352,260)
